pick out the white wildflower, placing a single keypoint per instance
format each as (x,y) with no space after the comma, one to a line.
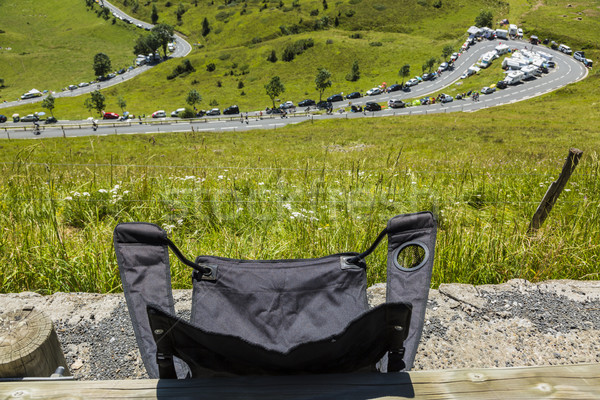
(102,190)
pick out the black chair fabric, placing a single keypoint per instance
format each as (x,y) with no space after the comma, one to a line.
(276,316)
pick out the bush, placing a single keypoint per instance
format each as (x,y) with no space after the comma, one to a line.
(314,13)
(356,36)
(272,56)
(210,67)
(240,85)
(183,69)
(329,41)
(350,13)
(376,44)
(187,113)
(437,3)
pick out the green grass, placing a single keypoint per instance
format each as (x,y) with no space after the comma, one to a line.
(234,194)
(53,43)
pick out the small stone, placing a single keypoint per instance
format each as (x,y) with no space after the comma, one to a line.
(77,364)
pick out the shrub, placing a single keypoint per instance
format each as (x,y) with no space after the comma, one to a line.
(329,41)
(314,13)
(272,56)
(224,57)
(183,69)
(240,85)
(375,44)
(350,13)
(210,67)
(356,36)
(187,113)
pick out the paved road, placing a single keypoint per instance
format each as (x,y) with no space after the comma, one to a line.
(568,70)
(182,49)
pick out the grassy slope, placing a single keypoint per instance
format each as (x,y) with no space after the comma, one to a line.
(413,37)
(53,44)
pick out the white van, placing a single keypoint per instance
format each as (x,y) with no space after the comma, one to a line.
(565,49)
(177,112)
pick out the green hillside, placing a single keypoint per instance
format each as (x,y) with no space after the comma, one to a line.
(53,42)
(380,36)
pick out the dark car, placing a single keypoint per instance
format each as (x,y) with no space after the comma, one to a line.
(121,71)
(543,69)
(214,111)
(51,120)
(201,113)
(275,111)
(335,97)
(3,118)
(550,64)
(501,85)
(354,95)
(372,106)
(306,103)
(428,76)
(322,105)
(231,110)
(395,87)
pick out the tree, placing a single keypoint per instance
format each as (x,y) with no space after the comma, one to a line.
(1,82)
(48,104)
(180,11)
(96,101)
(404,72)
(121,103)
(322,81)
(325,5)
(101,64)
(272,57)
(430,63)
(154,15)
(164,35)
(205,27)
(148,44)
(193,98)
(274,88)
(446,51)
(354,75)
(485,18)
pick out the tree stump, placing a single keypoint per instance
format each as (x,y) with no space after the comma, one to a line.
(29,345)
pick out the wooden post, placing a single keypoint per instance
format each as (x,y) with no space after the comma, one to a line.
(29,346)
(554,190)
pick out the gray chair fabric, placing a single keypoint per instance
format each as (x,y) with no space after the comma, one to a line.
(276,316)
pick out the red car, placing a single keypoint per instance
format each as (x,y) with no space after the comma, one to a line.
(108,115)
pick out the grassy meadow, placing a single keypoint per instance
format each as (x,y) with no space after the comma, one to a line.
(313,189)
(310,190)
(52,45)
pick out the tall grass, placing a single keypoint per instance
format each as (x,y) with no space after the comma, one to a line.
(302,191)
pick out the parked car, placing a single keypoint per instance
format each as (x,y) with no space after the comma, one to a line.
(110,115)
(72,87)
(443,66)
(50,120)
(374,91)
(176,113)
(30,118)
(231,110)
(553,45)
(543,69)
(446,98)
(428,76)
(454,57)
(354,95)
(501,85)
(275,111)
(395,87)
(488,90)
(372,106)
(159,114)
(520,32)
(550,64)
(214,111)
(335,97)
(322,105)
(412,82)
(3,119)
(565,49)
(287,105)
(84,84)
(396,103)
(121,71)
(307,103)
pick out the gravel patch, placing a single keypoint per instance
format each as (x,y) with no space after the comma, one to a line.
(514,324)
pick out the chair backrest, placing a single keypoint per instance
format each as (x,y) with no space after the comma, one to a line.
(277,306)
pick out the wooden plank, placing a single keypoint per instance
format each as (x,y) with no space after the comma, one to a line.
(568,382)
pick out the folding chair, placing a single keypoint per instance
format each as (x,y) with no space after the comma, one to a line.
(277,317)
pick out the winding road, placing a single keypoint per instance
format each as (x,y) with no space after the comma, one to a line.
(567,70)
